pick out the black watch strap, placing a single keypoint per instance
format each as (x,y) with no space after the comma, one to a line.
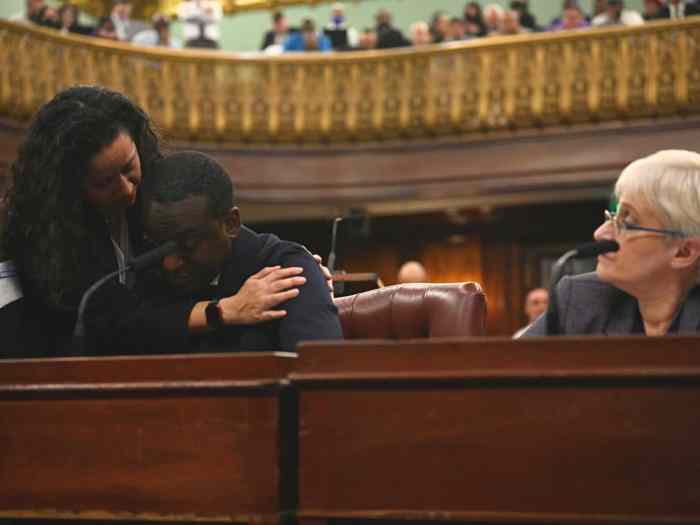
(213,315)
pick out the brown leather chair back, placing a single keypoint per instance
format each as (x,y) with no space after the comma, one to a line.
(410,311)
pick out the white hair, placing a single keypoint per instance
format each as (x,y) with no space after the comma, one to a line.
(669,182)
(493,7)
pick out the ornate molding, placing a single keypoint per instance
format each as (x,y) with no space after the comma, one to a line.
(146,8)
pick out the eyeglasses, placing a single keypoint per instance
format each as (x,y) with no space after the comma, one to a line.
(620,226)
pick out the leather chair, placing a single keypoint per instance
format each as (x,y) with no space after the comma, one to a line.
(410,311)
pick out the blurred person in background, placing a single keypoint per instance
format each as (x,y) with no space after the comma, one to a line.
(616,14)
(440,27)
(458,30)
(493,14)
(158,35)
(30,13)
(527,19)
(536,303)
(368,40)
(510,24)
(474,20)
(279,32)
(105,29)
(69,17)
(307,39)
(121,18)
(412,272)
(679,9)
(200,22)
(420,34)
(388,36)
(341,35)
(652,9)
(572,18)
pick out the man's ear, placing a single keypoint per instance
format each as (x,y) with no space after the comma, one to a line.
(688,254)
(232,223)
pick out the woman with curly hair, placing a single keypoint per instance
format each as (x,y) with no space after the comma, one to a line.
(71,216)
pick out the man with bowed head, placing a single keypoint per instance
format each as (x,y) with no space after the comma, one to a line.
(260,299)
(651,284)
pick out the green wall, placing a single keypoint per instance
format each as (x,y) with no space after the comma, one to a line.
(244,32)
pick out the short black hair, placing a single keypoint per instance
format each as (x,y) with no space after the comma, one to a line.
(277,16)
(189,174)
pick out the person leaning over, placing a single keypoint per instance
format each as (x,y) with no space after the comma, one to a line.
(650,286)
(188,199)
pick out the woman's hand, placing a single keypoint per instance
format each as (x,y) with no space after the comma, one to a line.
(261,293)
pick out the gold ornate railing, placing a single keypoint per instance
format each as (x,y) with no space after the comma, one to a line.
(492,84)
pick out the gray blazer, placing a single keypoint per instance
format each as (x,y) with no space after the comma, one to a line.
(588,306)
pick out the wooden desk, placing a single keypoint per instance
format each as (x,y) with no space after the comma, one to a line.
(172,438)
(495,431)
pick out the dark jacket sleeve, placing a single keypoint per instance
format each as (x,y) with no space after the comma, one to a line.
(539,327)
(311,315)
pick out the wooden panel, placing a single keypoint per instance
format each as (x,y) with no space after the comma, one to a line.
(498,431)
(166,438)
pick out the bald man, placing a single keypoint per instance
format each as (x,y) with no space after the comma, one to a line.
(412,272)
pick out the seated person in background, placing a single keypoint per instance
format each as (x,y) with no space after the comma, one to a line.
(527,19)
(125,26)
(307,39)
(493,13)
(536,303)
(159,35)
(679,9)
(510,24)
(31,11)
(188,198)
(652,10)
(474,20)
(440,27)
(616,14)
(572,18)
(458,30)
(420,34)
(105,29)
(388,36)
(412,272)
(200,20)
(278,34)
(69,18)
(341,35)
(368,40)
(650,286)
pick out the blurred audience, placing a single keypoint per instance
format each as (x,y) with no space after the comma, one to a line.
(571,18)
(308,39)
(200,22)
(510,24)
(278,34)
(340,34)
(388,36)
(652,9)
(474,20)
(121,18)
(616,14)
(458,30)
(536,303)
(368,40)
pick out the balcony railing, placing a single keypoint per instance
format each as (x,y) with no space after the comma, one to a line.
(499,83)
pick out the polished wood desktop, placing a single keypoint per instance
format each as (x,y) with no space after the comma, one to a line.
(176,438)
(595,430)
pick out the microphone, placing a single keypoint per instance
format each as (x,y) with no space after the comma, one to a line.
(334,235)
(585,251)
(142,262)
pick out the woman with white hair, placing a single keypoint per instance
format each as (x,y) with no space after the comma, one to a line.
(651,285)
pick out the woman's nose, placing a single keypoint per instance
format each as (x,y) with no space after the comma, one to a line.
(604,232)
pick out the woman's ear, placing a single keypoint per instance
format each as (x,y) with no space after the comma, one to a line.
(688,254)
(232,223)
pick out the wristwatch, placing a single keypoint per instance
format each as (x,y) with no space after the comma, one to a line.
(213,315)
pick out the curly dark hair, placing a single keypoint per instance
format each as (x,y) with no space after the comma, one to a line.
(51,230)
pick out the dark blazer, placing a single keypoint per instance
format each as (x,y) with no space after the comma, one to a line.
(690,10)
(158,323)
(589,306)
